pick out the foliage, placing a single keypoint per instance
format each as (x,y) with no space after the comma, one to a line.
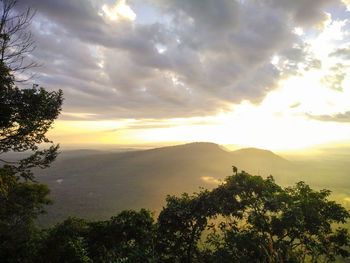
(295,224)
(64,242)
(180,225)
(245,219)
(19,206)
(126,237)
(26,114)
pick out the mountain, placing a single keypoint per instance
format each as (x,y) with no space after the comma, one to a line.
(261,162)
(96,184)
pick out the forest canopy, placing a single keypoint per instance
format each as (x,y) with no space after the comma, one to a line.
(245,219)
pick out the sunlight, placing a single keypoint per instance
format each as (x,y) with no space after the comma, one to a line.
(347,3)
(324,43)
(210,180)
(103,132)
(121,9)
(282,121)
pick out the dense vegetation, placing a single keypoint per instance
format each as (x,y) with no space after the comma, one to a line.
(245,219)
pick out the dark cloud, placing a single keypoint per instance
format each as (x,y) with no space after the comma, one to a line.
(214,53)
(303,13)
(340,117)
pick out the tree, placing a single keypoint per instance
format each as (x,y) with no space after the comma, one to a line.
(26,114)
(245,219)
(181,224)
(252,220)
(132,235)
(16,41)
(273,224)
(126,237)
(64,242)
(22,204)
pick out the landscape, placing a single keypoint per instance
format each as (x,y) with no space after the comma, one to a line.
(174,131)
(97,184)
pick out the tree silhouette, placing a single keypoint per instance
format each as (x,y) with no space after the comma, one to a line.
(16,41)
(25,117)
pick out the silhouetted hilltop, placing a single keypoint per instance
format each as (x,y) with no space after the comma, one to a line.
(96,184)
(259,161)
(258,154)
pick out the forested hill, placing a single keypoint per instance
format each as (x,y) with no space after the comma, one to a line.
(96,184)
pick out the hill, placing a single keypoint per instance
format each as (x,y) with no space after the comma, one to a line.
(96,184)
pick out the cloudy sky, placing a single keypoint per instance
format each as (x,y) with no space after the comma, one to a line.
(264,73)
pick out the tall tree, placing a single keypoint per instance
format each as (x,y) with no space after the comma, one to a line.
(275,224)
(26,114)
(181,224)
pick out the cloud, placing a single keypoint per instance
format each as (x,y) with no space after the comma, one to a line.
(342,52)
(158,124)
(335,80)
(339,117)
(347,4)
(304,13)
(213,54)
(120,10)
(77,116)
(296,105)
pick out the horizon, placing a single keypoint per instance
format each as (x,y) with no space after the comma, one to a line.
(317,151)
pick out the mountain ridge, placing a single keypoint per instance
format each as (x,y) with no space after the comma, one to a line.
(96,184)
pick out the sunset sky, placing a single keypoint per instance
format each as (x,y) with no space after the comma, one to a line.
(272,74)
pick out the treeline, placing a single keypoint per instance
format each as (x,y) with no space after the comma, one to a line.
(245,219)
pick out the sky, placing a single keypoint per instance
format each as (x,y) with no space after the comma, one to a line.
(271,74)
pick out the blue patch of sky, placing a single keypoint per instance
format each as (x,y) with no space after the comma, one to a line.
(147,14)
(338,11)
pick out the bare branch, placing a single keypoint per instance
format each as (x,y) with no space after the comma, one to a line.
(16,43)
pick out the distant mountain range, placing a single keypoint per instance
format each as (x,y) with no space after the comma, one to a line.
(97,184)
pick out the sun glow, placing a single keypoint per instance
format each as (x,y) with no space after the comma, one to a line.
(347,3)
(283,121)
(120,10)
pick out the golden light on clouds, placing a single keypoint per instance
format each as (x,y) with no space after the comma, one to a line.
(80,115)
(120,10)
(94,132)
(310,87)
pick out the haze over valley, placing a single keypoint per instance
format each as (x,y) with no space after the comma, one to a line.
(97,184)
